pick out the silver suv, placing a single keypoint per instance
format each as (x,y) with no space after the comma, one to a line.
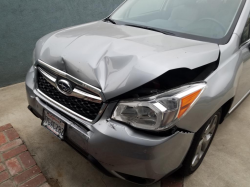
(141,93)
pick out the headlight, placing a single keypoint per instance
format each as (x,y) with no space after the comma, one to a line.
(159,112)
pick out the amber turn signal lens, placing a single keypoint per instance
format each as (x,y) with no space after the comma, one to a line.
(187,101)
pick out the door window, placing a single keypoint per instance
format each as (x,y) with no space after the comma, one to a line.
(245,34)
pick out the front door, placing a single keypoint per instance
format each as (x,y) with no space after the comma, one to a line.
(244,80)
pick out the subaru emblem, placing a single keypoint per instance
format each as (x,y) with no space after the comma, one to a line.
(64,86)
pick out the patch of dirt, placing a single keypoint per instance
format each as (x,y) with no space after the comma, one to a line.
(54,182)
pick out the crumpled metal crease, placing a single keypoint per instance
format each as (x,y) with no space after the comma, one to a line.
(117,58)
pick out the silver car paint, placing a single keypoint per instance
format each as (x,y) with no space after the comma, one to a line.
(117,59)
(120,148)
(224,83)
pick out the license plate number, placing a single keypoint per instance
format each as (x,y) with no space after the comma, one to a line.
(54,124)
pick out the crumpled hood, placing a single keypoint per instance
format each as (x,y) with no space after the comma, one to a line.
(118,58)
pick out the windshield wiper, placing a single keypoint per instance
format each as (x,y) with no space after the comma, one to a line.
(152,29)
(109,20)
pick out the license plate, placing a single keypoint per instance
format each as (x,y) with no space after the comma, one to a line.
(54,124)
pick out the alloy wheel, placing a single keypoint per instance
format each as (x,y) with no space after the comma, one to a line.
(205,141)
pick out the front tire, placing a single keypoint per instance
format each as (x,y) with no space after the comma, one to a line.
(201,143)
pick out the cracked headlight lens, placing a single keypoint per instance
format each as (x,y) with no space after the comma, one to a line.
(159,112)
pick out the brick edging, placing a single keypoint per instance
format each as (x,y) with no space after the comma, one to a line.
(17,166)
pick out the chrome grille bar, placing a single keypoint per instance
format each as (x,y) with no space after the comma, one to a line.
(50,74)
(61,106)
(75,93)
(73,79)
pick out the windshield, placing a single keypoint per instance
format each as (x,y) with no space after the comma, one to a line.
(203,18)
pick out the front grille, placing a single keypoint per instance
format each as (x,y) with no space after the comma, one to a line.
(82,107)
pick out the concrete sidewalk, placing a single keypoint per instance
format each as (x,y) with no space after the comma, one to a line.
(226,164)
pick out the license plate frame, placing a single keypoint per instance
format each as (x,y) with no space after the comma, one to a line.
(54,124)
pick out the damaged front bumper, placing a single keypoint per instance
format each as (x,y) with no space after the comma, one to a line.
(115,148)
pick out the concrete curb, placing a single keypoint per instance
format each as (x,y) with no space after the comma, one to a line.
(17,166)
